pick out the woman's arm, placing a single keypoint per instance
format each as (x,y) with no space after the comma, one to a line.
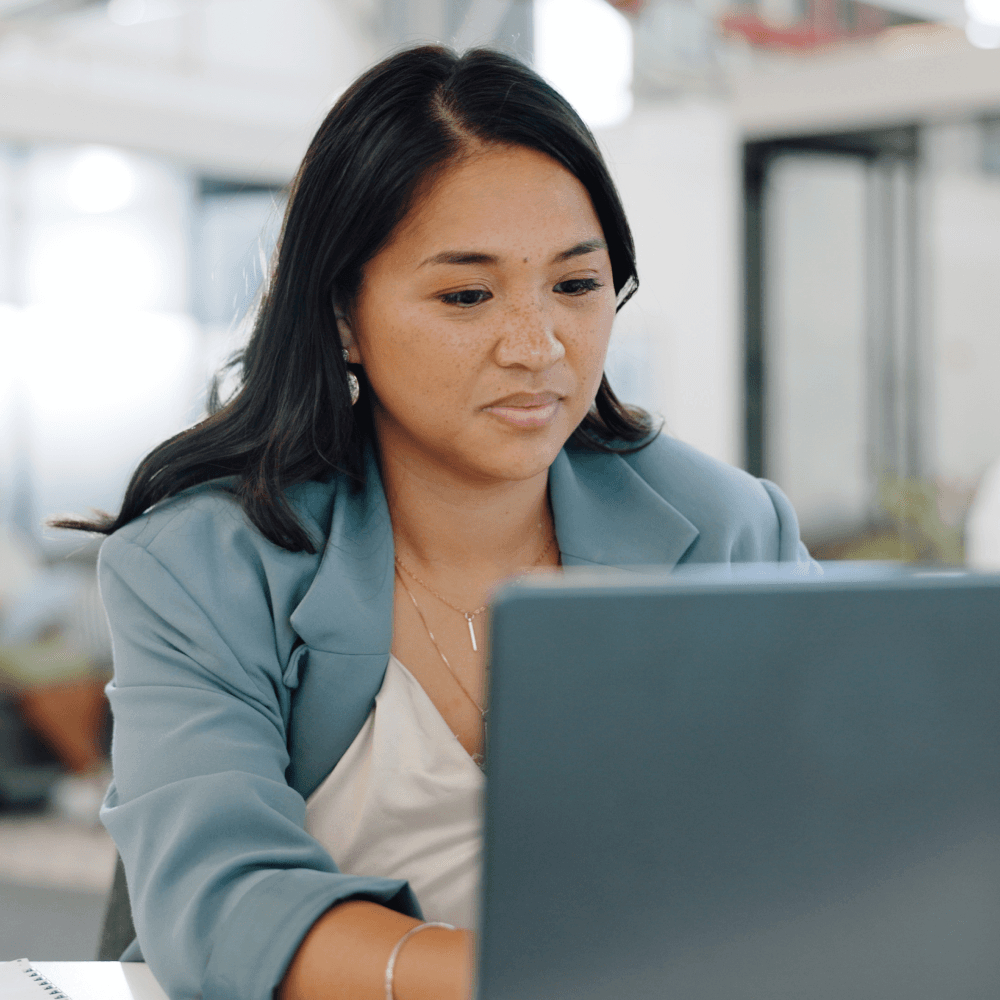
(344,955)
(225,882)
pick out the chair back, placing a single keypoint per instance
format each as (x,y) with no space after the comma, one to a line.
(117,931)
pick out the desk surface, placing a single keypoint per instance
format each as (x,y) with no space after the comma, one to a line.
(102,980)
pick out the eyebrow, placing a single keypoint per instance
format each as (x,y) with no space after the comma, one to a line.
(478,257)
(587,246)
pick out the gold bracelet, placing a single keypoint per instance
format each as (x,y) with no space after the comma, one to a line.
(390,967)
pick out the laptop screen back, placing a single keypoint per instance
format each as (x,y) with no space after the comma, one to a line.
(718,787)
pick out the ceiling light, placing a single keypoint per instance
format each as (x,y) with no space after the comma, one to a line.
(985,12)
(584,49)
(100,180)
(983,36)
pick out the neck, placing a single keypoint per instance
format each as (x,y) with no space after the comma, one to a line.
(485,529)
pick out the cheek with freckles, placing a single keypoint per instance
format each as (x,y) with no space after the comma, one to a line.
(587,355)
(420,373)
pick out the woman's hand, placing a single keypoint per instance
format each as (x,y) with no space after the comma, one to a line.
(344,955)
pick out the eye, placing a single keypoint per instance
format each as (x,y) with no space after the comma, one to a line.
(466,297)
(578,286)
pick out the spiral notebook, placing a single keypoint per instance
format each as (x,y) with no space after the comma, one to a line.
(19,981)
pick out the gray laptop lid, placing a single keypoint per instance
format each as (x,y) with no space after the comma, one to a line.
(743,786)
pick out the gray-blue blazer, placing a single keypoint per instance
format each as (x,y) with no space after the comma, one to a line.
(244,671)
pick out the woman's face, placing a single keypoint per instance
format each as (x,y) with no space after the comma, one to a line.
(483,325)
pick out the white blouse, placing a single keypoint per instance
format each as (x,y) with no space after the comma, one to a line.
(406,801)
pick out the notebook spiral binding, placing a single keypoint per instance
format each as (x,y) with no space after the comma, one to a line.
(49,987)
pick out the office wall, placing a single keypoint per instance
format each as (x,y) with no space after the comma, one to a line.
(826,396)
(963,236)
(816,375)
(677,345)
(235,87)
(99,348)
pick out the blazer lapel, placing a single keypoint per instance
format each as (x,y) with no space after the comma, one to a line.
(607,515)
(345,622)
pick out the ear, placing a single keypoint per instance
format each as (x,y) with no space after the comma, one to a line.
(346,336)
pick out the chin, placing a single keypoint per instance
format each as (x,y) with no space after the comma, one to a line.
(516,461)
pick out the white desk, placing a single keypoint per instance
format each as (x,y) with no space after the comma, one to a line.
(102,980)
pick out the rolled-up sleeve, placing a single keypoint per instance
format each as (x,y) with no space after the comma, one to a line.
(224,880)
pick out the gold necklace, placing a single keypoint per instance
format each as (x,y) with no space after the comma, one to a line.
(451,670)
(470,616)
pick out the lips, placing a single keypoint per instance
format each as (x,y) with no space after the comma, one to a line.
(526,409)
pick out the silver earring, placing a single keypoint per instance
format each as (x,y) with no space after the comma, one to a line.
(352,382)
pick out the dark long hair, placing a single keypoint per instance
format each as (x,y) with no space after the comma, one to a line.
(290,419)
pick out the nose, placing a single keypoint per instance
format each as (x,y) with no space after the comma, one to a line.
(529,338)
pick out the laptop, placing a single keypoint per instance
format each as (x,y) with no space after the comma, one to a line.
(743,784)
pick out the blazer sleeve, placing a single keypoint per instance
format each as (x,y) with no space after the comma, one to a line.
(790,547)
(224,880)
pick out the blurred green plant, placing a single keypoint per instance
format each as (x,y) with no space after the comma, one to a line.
(911,528)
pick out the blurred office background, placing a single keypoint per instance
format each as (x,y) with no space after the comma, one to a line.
(814,187)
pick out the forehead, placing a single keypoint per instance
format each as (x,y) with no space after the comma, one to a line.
(505,198)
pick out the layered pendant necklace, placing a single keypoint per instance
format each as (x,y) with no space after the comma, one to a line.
(469,616)
(477,758)
(451,669)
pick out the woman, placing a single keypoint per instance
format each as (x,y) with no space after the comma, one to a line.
(297,586)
